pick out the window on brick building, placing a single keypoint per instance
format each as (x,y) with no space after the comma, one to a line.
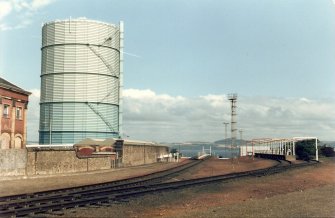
(19,113)
(6,110)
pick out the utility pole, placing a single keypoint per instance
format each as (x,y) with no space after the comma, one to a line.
(233,98)
(240,131)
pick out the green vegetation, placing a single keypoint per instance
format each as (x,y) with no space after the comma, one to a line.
(327,151)
(305,149)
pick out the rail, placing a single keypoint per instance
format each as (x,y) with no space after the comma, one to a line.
(21,205)
(54,201)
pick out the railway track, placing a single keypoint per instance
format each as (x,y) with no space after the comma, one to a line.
(25,204)
(55,201)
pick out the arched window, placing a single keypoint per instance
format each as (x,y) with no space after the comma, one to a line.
(18,142)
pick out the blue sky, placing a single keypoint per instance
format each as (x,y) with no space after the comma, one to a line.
(274,54)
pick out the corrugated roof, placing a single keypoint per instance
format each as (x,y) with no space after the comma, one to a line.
(7,85)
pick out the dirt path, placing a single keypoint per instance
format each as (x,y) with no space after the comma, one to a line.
(214,167)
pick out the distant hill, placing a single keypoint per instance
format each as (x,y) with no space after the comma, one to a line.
(328,143)
(221,142)
(197,142)
(228,141)
(194,143)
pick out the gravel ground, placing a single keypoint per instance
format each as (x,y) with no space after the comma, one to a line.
(214,166)
(307,192)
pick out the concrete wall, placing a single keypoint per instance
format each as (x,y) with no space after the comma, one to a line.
(13,162)
(60,161)
(141,154)
(20,162)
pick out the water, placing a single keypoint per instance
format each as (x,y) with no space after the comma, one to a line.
(194,150)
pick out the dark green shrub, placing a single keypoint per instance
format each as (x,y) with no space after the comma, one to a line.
(327,151)
(305,150)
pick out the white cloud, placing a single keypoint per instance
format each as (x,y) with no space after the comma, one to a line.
(35,93)
(19,5)
(5,9)
(162,117)
(149,95)
(33,115)
(151,116)
(22,12)
(215,100)
(37,4)
(4,27)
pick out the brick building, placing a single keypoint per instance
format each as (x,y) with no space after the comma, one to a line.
(13,112)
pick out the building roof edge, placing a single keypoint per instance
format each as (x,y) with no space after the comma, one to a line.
(10,86)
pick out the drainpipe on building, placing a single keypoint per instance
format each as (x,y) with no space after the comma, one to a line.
(25,125)
(12,130)
(1,113)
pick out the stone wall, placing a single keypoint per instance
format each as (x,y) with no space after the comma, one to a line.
(22,162)
(13,162)
(141,154)
(62,161)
